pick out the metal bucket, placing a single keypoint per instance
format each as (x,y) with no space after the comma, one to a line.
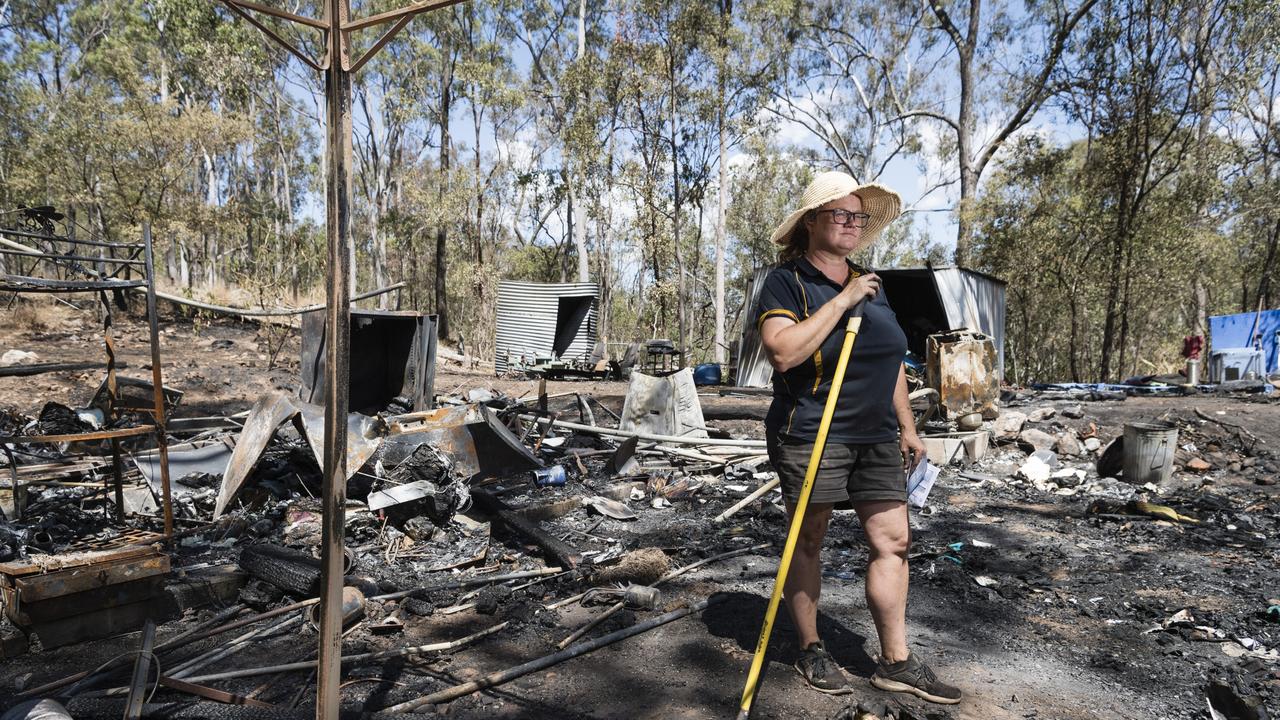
(1148,452)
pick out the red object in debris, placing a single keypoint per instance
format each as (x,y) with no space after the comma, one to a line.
(1192,346)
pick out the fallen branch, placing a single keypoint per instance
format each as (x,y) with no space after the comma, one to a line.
(555,548)
(1240,429)
(498,678)
(41,368)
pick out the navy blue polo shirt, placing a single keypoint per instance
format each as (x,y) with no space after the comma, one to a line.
(864,412)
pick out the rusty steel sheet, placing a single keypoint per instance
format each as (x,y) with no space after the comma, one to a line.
(471,435)
(35,588)
(259,427)
(364,436)
(963,368)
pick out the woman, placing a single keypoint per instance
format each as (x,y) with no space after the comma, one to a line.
(872,440)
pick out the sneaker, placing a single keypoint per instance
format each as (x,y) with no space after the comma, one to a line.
(913,676)
(822,672)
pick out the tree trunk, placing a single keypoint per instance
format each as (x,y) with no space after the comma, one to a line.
(719,354)
(964,146)
(681,319)
(442,232)
(578,223)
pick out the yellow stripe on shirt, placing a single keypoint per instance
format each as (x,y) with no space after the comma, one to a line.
(778,312)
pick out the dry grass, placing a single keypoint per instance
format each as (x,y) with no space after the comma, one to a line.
(36,315)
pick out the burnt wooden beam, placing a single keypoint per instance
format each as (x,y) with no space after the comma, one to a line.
(556,549)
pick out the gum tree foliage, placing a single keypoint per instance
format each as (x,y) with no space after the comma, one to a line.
(665,148)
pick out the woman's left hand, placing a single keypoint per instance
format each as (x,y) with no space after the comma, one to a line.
(912,449)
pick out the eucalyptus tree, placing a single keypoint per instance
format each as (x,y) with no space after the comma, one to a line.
(1003,61)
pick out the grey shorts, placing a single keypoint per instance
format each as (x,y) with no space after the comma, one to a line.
(850,473)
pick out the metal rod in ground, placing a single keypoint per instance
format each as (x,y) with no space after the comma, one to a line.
(759,493)
(186,668)
(141,669)
(190,667)
(353,659)
(498,678)
(673,574)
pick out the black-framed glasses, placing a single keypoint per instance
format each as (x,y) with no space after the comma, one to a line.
(848,217)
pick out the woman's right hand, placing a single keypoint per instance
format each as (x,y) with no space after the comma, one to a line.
(860,288)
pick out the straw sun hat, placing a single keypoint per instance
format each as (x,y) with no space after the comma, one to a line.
(878,201)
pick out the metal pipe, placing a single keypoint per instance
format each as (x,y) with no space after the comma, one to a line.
(352,607)
(351,659)
(186,668)
(63,682)
(242,312)
(157,380)
(141,669)
(547,661)
(592,429)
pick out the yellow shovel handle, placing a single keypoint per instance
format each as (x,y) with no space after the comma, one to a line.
(815,459)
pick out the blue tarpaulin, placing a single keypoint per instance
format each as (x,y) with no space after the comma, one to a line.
(1232,331)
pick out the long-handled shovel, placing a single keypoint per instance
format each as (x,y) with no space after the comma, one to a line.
(815,459)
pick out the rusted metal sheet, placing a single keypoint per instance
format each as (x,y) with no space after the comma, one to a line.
(471,435)
(259,427)
(962,366)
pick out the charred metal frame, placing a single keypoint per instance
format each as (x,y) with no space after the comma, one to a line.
(337,66)
(100,279)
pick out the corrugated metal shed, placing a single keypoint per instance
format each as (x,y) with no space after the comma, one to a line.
(544,320)
(925,299)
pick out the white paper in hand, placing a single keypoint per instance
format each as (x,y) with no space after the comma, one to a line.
(920,482)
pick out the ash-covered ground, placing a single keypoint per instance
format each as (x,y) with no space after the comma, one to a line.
(1068,597)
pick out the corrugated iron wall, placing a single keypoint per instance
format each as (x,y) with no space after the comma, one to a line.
(527,321)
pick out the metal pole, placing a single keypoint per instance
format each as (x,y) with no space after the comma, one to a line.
(157,379)
(338,332)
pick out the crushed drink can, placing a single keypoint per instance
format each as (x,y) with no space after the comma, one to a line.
(553,476)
